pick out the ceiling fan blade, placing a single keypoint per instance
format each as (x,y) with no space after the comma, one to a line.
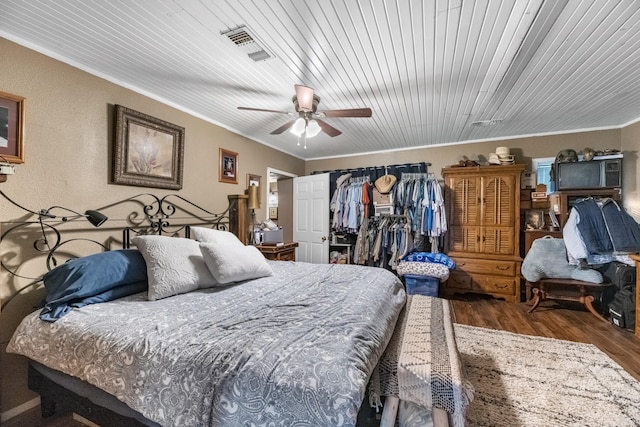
(354,112)
(261,109)
(328,129)
(283,128)
(304,94)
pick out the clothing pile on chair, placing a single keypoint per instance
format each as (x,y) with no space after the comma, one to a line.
(599,232)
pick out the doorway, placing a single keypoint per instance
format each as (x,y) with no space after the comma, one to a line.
(279,196)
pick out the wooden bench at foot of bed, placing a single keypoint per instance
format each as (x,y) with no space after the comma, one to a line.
(422,365)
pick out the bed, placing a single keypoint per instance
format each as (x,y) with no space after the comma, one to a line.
(284,344)
(298,345)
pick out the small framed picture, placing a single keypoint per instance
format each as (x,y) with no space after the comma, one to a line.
(273,213)
(228,167)
(253,180)
(11,128)
(534,219)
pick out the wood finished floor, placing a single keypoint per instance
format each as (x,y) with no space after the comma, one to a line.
(551,319)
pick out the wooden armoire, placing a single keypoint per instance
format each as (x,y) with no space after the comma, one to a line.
(483,237)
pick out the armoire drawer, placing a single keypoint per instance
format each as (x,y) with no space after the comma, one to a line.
(481,266)
(459,281)
(494,284)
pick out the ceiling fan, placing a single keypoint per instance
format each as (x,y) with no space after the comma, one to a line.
(309,123)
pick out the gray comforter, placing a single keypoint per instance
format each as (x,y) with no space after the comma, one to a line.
(293,349)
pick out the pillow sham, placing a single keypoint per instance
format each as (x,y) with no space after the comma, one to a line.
(232,263)
(75,282)
(174,265)
(220,237)
(111,294)
(431,269)
(437,257)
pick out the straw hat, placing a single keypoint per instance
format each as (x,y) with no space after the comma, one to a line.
(494,159)
(342,178)
(384,184)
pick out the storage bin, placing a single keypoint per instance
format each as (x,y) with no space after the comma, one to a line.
(421,285)
(273,236)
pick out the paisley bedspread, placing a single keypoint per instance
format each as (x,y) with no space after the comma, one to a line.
(296,348)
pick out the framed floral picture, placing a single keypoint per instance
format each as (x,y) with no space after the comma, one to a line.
(228,167)
(148,152)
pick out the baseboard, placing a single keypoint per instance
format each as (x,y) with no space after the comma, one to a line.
(14,412)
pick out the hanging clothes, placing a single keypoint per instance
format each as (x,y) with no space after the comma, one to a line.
(417,218)
(383,241)
(348,204)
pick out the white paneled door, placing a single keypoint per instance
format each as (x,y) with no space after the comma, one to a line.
(311,218)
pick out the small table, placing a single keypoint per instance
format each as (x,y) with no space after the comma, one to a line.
(567,290)
(284,252)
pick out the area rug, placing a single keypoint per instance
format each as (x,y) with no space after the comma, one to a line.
(521,380)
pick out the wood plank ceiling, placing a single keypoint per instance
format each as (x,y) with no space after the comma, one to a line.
(428,69)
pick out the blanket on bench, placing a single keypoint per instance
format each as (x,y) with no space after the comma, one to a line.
(421,364)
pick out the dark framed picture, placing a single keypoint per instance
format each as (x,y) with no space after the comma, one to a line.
(11,128)
(228,167)
(534,219)
(273,213)
(148,152)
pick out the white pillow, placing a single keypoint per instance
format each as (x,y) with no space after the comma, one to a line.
(232,263)
(209,235)
(174,265)
(431,269)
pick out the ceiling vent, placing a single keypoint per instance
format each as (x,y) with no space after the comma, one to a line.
(492,122)
(241,37)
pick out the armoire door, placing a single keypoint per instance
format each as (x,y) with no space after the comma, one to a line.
(465,216)
(498,214)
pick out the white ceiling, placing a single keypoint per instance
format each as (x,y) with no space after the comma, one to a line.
(427,69)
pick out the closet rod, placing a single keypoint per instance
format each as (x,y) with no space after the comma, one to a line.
(399,165)
(390,216)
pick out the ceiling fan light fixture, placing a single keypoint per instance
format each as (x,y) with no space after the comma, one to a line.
(313,128)
(298,127)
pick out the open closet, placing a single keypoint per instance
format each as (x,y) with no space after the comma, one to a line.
(379,214)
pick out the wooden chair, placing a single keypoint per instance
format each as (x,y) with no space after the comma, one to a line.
(566,290)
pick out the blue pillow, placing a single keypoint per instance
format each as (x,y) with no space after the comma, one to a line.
(436,257)
(90,279)
(111,294)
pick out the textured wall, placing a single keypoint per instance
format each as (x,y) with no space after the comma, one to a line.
(68,137)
